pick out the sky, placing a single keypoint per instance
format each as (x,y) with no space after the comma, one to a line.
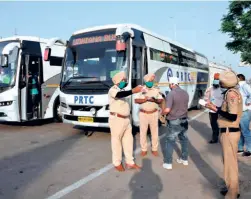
(194,24)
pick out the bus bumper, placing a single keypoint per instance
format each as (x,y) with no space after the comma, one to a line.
(97,121)
(9,113)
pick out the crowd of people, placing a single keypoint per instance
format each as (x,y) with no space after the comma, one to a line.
(228,101)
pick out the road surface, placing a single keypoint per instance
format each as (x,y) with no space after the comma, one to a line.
(54,160)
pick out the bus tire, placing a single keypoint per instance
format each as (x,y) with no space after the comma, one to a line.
(198,106)
(56,110)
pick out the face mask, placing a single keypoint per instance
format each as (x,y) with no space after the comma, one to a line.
(216,82)
(122,84)
(149,84)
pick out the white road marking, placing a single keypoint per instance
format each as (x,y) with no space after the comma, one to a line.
(101,171)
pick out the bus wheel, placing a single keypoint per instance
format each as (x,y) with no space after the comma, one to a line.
(57,115)
(198,106)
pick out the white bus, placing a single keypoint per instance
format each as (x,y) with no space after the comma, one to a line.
(94,54)
(215,68)
(21,62)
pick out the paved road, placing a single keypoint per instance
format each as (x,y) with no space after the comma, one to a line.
(59,161)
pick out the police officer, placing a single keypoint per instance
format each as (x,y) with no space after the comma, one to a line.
(119,122)
(229,120)
(149,101)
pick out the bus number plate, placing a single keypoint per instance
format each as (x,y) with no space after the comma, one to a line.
(85,119)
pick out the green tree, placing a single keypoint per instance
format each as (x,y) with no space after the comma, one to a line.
(237,24)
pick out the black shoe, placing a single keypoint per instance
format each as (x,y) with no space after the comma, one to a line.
(224,193)
(246,153)
(240,151)
(213,142)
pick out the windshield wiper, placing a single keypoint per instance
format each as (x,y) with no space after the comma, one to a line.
(88,82)
(75,77)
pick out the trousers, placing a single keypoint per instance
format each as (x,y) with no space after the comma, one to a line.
(245,138)
(214,125)
(121,138)
(229,142)
(149,120)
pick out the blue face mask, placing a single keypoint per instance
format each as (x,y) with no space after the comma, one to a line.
(122,84)
(216,82)
(149,84)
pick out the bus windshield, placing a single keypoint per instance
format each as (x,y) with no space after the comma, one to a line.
(92,57)
(7,74)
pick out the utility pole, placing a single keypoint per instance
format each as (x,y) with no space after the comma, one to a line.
(15,31)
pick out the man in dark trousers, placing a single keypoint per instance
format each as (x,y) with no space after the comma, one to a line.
(214,94)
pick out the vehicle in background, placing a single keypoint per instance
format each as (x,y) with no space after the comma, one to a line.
(94,54)
(28,82)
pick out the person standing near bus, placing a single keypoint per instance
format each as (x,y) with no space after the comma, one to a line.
(149,101)
(33,80)
(245,91)
(229,120)
(176,111)
(214,94)
(119,122)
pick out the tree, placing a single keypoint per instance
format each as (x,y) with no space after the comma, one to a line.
(237,24)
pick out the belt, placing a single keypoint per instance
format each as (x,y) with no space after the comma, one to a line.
(118,115)
(148,112)
(230,130)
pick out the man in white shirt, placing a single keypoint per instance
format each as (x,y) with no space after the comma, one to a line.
(214,95)
(245,138)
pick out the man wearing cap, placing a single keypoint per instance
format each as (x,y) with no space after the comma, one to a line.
(214,94)
(176,111)
(229,120)
(149,101)
(119,122)
(245,138)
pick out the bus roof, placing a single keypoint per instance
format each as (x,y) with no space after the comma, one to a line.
(28,38)
(217,65)
(110,26)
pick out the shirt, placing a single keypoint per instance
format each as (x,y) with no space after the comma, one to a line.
(245,91)
(120,106)
(215,96)
(150,92)
(232,104)
(177,100)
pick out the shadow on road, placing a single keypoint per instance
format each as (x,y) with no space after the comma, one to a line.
(29,123)
(244,169)
(145,184)
(19,171)
(203,167)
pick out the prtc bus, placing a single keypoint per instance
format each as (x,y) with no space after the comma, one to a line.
(94,54)
(21,60)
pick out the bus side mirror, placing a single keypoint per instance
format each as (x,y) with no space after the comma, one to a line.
(47,54)
(4,60)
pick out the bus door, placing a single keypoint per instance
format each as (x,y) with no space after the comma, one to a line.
(139,69)
(30,87)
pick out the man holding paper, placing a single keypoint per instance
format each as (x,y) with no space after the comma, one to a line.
(229,120)
(214,94)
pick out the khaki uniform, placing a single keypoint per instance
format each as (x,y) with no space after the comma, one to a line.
(121,129)
(149,116)
(232,104)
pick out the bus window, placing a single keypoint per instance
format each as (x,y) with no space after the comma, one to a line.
(136,66)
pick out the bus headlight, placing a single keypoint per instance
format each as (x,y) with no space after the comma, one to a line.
(6,103)
(93,111)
